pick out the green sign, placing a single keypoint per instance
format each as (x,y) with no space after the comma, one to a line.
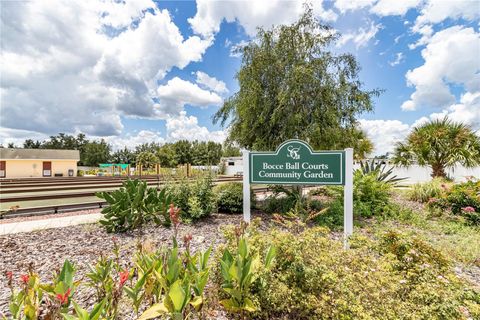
(295,162)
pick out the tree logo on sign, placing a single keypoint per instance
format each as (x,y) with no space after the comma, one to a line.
(293,152)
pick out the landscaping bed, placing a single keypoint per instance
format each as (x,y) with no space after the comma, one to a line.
(46,250)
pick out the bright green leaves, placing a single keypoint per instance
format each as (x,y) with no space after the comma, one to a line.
(293,86)
(133,205)
(238,274)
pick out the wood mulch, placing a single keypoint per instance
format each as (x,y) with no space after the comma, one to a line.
(47,249)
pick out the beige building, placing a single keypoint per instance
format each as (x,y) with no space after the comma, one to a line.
(27,163)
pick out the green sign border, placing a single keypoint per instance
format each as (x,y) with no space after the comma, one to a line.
(336,152)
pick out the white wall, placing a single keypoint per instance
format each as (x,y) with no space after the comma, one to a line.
(413,174)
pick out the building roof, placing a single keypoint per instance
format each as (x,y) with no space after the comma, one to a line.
(38,154)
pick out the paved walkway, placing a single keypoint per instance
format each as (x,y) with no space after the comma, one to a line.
(32,225)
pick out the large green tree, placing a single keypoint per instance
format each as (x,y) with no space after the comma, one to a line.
(95,152)
(439,144)
(123,156)
(147,160)
(293,86)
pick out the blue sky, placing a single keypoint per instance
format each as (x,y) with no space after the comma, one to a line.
(141,71)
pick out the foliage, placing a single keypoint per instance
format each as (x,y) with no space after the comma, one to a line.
(425,191)
(461,199)
(239,274)
(229,150)
(292,86)
(396,276)
(371,196)
(147,160)
(176,282)
(133,205)
(55,296)
(440,144)
(196,199)
(230,197)
(378,169)
(95,152)
(124,155)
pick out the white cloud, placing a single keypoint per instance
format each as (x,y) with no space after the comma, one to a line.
(352,5)
(436,11)
(62,64)
(399,57)
(122,14)
(384,133)
(391,8)
(451,57)
(17,137)
(466,111)
(379,7)
(426,32)
(187,127)
(361,37)
(132,140)
(177,93)
(250,14)
(211,82)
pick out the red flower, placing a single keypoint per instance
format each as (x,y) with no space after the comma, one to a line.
(9,275)
(25,278)
(63,298)
(468,209)
(124,277)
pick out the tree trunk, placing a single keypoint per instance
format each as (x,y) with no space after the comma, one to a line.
(438,171)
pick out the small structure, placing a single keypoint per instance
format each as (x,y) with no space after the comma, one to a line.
(233,165)
(27,163)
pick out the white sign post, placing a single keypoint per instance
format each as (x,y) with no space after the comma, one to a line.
(348,197)
(246,186)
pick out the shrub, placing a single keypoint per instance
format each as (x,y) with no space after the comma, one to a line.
(371,197)
(394,277)
(423,192)
(462,199)
(230,197)
(133,205)
(196,199)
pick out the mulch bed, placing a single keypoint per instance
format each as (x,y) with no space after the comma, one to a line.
(47,249)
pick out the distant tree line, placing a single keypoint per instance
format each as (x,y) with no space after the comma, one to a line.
(93,152)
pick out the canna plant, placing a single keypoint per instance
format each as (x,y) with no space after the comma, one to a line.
(238,274)
(82,314)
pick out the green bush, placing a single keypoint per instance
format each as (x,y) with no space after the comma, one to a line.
(425,191)
(371,197)
(395,277)
(461,199)
(133,205)
(196,199)
(230,197)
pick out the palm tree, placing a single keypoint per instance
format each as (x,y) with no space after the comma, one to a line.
(440,144)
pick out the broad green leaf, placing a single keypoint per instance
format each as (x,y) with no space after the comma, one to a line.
(177,295)
(154,311)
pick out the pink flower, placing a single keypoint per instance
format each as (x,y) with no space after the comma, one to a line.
(174,214)
(468,209)
(432,200)
(9,275)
